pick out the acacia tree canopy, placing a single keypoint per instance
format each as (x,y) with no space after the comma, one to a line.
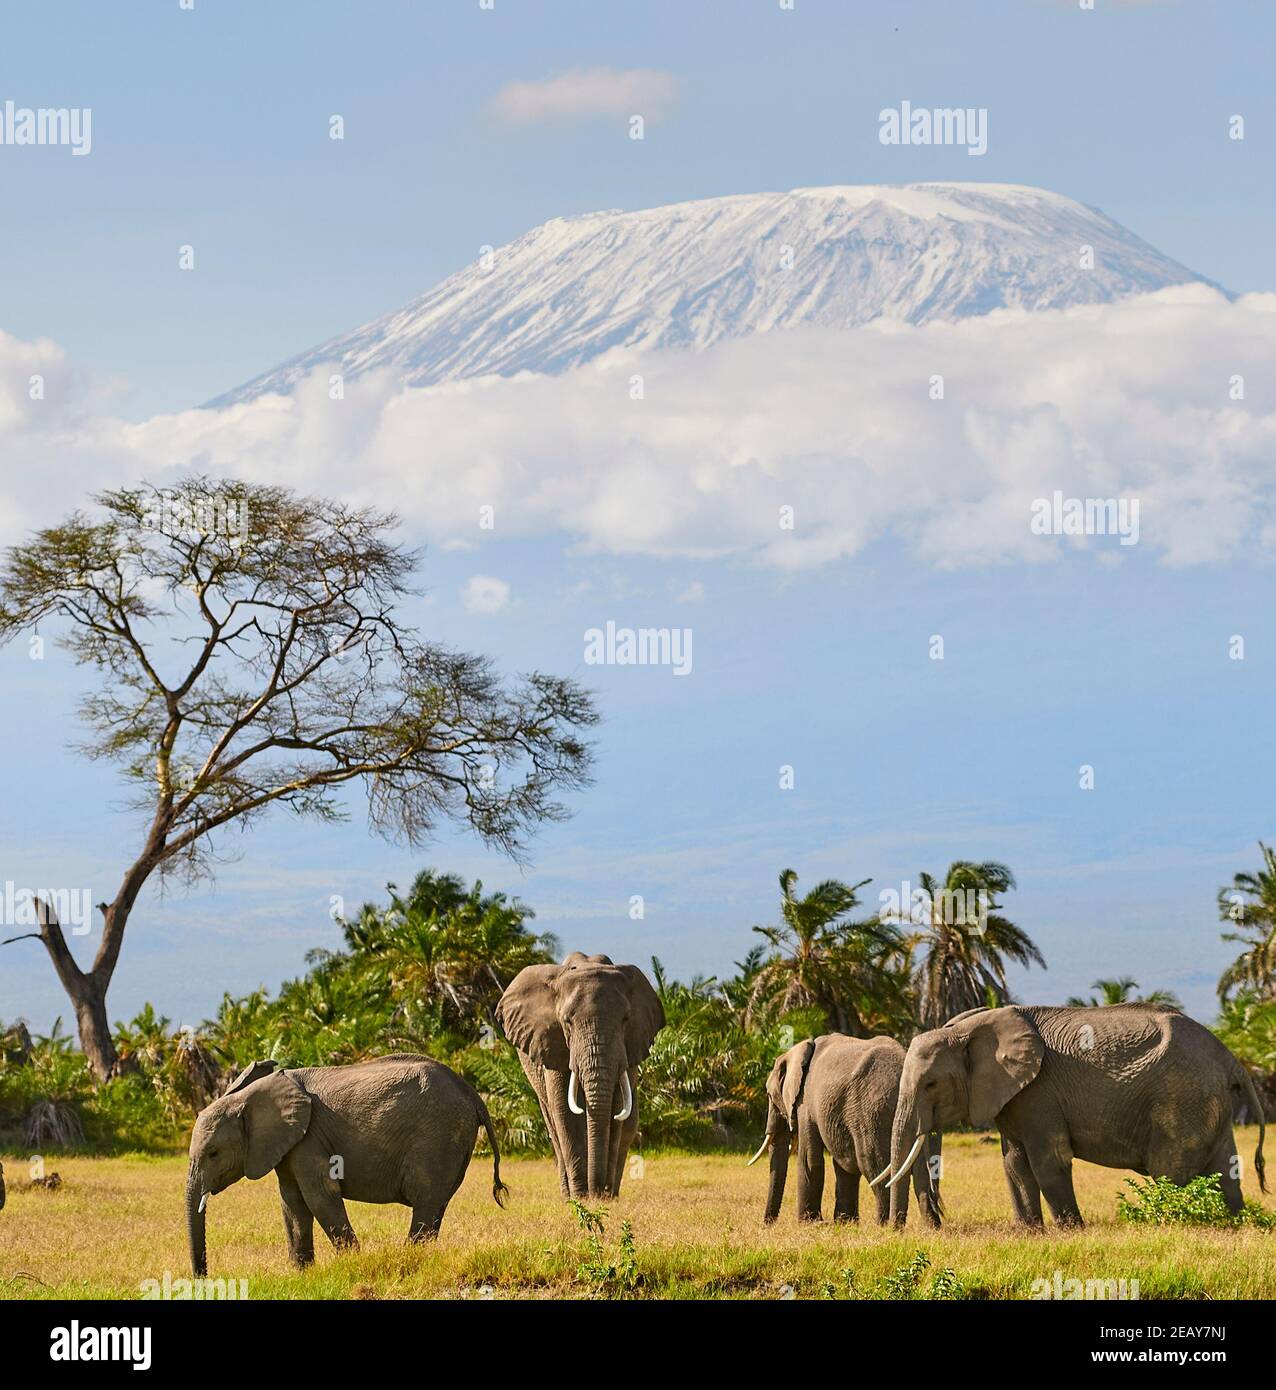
(250,652)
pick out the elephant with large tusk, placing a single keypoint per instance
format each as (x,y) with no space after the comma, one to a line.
(396,1129)
(1133,1086)
(581,1029)
(838,1093)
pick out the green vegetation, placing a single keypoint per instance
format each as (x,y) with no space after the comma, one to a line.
(606,1275)
(1124,991)
(695,1222)
(1249,908)
(1159,1202)
(423,973)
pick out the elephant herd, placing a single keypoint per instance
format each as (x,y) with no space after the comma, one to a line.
(1132,1086)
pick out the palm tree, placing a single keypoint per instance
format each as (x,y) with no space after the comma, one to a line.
(1122,991)
(447,952)
(964,940)
(706,1070)
(821,958)
(1250,905)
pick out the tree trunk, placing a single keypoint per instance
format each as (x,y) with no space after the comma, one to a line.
(96,1042)
(87,988)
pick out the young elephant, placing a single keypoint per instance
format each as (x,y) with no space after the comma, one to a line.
(396,1129)
(838,1093)
(1126,1086)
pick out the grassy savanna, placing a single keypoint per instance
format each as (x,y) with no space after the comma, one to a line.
(696,1222)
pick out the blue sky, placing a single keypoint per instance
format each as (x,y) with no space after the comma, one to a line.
(210,128)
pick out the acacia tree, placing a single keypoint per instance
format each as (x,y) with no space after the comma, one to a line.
(249,654)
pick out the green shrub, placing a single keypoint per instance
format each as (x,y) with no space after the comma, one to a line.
(52,1102)
(615,1276)
(1198,1203)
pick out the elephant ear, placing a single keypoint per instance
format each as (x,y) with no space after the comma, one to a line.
(788,1076)
(254,1071)
(1004,1054)
(276,1117)
(528,1018)
(646,1016)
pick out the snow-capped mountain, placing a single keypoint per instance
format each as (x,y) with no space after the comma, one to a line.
(693,273)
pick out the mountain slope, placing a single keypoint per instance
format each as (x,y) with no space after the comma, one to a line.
(693,273)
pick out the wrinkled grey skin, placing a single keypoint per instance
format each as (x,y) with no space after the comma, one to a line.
(396,1129)
(1133,1086)
(838,1094)
(597,1019)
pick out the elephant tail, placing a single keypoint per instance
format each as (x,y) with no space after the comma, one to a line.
(1255,1109)
(499,1190)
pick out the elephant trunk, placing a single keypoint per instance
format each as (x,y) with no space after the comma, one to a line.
(599,1070)
(195,1226)
(910,1126)
(781,1141)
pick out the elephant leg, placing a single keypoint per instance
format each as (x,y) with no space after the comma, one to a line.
(1226,1163)
(323,1197)
(926,1174)
(299,1222)
(429,1202)
(564,1188)
(536,1076)
(810,1170)
(623,1135)
(846,1195)
(1053,1172)
(1025,1194)
(882,1195)
(426,1220)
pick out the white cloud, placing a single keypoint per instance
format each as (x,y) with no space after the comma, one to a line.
(483,594)
(1129,399)
(584,92)
(693,593)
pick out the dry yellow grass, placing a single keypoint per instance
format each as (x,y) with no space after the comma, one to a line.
(696,1223)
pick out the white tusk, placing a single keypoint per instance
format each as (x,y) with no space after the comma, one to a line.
(909,1161)
(885,1173)
(203,1200)
(572,1103)
(766,1144)
(627,1098)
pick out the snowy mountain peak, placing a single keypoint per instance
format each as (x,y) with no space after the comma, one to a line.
(691,274)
